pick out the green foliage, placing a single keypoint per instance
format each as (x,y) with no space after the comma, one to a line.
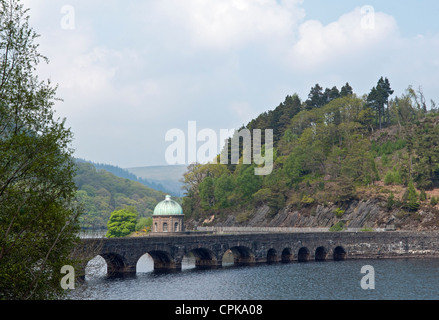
(423,196)
(207,190)
(262,196)
(388,147)
(224,187)
(101,193)
(338,227)
(339,212)
(412,198)
(326,149)
(247,182)
(306,200)
(393,177)
(434,201)
(144,224)
(122,223)
(378,99)
(425,154)
(38,209)
(390,201)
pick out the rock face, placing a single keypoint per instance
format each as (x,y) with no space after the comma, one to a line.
(357,214)
(370,213)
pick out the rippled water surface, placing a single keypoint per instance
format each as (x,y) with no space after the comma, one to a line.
(341,280)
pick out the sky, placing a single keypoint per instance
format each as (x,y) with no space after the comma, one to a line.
(129,71)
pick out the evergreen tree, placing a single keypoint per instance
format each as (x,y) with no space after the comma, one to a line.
(316,97)
(412,197)
(346,90)
(331,94)
(385,92)
(426,171)
(378,99)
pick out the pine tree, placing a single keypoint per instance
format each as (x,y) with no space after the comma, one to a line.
(412,198)
(378,98)
(346,90)
(316,97)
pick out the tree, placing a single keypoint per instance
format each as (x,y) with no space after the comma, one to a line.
(247,182)
(427,154)
(412,197)
(144,224)
(378,98)
(346,90)
(330,94)
(224,186)
(207,189)
(385,92)
(122,222)
(316,97)
(38,209)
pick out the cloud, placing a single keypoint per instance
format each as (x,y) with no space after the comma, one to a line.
(347,37)
(131,70)
(227,24)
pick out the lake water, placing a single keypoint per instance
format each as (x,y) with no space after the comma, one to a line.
(405,279)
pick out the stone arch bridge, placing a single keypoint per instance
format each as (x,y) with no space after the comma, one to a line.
(167,251)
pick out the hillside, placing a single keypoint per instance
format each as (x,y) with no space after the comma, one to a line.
(339,159)
(101,192)
(124,173)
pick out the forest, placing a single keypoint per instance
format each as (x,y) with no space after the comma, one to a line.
(329,148)
(101,193)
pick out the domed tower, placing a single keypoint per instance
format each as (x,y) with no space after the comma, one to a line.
(168,217)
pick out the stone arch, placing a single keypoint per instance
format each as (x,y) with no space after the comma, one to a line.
(163,261)
(243,255)
(339,253)
(205,258)
(321,254)
(287,255)
(303,254)
(272,256)
(117,264)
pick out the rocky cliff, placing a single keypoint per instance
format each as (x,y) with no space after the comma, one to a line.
(371,213)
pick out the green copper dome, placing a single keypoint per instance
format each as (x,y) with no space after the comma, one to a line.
(167,207)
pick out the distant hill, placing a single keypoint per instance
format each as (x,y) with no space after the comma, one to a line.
(101,192)
(167,176)
(124,173)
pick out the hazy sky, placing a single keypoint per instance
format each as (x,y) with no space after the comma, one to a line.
(129,71)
